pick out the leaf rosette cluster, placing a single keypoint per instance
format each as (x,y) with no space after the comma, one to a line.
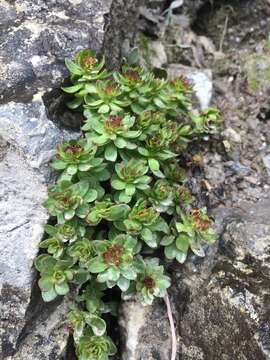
(121,195)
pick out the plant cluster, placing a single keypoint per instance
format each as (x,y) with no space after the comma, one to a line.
(121,195)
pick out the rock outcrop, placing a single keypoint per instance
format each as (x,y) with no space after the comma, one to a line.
(227,314)
(220,302)
(35,38)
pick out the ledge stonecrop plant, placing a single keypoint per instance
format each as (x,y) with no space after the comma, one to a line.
(121,199)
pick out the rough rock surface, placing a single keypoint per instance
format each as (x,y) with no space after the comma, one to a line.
(227,312)
(221,302)
(46,335)
(145,331)
(28,141)
(35,38)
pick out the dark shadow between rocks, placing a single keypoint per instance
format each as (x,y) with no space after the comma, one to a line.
(37,311)
(57,111)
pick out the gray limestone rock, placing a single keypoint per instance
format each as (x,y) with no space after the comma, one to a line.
(37,37)
(145,331)
(28,141)
(47,337)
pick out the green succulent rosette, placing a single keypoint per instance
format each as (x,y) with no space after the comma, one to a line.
(115,263)
(151,282)
(76,156)
(104,97)
(130,175)
(112,133)
(194,229)
(95,348)
(66,198)
(84,71)
(145,222)
(162,196)
(55,276)
(207,122)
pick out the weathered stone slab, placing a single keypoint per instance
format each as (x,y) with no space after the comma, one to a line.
(145,331)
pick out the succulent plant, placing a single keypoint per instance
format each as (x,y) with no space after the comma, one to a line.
(151,282)
(142,88)
(115,263)
(181,84)
(79,320)
(65,198)
(150,121)
(82,251)
(59,235)
(84,70)
(174,173)
(162,196)
(194,229)
(121,195)
(114,132)
(95,348)
(130,175)
(106,210)
(105,97)
(86,65)
(144,221)
(92,295)
(208,121)
(55,276)
(183,196)
(76,155)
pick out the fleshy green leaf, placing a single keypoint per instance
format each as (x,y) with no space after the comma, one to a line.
(123,283)
(181,257)
(44,263)
(72,89)
(72,67)
(62,288)
(182,242)
(49,295)
(91,195)
(104,109)
(123,197)
(149,238)
(97,265)
(97,324)
(130,189)
(72,169)
(167,240)
(117,212)
(59,165)
(118,184)
(170,251)
(110,153)
(153,164)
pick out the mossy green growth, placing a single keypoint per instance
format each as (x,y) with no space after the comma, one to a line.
(145,49)
(257,71)
(120,195)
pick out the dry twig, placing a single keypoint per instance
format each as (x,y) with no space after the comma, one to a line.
(170,316)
